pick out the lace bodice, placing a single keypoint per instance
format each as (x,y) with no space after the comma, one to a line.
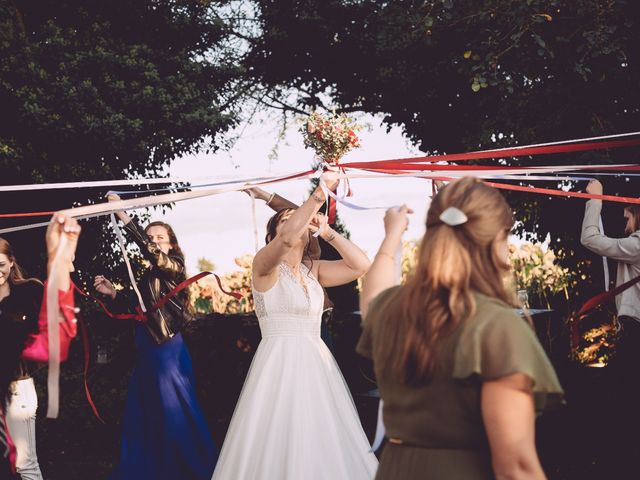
(290,307)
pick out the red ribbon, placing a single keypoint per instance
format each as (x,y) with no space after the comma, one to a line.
(142,316)
(402,167)
(28,214)
(414,163)
(85,346)
(500,153)
(138,316)
(561,193)
(599,299)
(331,211)
(593,303)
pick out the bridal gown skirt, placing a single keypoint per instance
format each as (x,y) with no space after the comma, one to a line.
(295,419)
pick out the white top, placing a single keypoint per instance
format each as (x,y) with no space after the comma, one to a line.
(291,306)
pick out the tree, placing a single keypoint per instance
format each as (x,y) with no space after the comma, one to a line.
(107,90)
(461,75)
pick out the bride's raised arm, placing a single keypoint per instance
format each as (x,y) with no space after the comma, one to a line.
(354,262)
(292,232)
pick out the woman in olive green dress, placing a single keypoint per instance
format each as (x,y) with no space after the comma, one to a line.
(460,373)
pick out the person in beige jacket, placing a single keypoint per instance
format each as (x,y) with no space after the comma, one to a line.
(620,378)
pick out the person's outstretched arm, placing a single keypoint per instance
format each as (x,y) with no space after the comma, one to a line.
(298,223)
(170,263)
(381,275)
(622,249)
(273,200)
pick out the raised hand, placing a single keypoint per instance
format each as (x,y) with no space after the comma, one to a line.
(331,179)
(396,220)
(104,286)
(62,225)
(594,187)
(257,192)
(319,222)
(122,215)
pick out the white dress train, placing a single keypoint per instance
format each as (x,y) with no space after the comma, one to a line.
(295,419)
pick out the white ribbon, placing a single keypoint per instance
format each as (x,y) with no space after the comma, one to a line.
(560,142)
(145,181)
(134,181)
(604,260)
(123,249)
(254,220)
(53,336)
(95,210)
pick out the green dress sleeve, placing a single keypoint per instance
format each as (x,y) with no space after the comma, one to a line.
(496,343)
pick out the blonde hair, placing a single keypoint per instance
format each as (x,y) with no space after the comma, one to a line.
(453,263)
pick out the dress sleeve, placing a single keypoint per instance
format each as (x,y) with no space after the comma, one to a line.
(500,343)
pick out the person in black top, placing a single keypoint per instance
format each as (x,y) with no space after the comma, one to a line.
(162,413)
(20,299)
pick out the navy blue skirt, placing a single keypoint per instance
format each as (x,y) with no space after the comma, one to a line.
(165,435)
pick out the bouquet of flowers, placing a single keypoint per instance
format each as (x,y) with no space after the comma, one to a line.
(330,136)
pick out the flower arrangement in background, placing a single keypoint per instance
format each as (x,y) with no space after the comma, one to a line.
(208,298)
(331,137)
(537,271)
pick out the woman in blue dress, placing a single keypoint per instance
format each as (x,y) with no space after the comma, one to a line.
(165,435)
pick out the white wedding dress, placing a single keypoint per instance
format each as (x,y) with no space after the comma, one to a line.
(295,419)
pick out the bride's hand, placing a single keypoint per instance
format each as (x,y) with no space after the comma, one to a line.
(316,222)
(331,179)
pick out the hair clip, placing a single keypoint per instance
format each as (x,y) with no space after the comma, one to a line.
(453,217)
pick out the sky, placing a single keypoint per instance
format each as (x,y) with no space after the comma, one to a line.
(220,228)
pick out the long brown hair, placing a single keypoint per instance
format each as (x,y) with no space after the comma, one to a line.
(175,247)
(17,275)
(311,251)
(453,263)
(634,211)
(172,236)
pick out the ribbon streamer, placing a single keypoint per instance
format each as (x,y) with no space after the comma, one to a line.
(604,259)
(254,221)
(501,153)
(123,249)
(53,320)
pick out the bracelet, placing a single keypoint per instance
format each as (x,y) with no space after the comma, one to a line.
(317,198)
(271,198)
(330,239)
(385,254)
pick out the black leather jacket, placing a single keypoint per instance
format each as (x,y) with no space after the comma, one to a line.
(165,273)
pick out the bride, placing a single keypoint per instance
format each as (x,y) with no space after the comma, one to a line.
(295,419)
